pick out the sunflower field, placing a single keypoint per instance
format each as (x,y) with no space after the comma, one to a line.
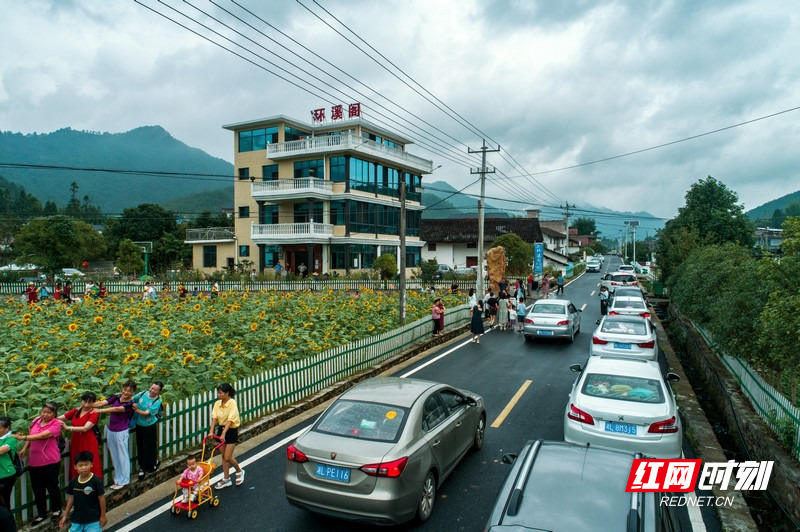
(52,351)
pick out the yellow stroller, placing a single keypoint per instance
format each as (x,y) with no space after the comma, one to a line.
(204,494)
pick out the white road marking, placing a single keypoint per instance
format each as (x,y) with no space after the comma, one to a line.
(583,307)
(431,361)
(695,515)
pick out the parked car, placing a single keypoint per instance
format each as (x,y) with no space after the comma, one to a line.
(628,306)
(466,272)
(562,486)
(593,265)
(625,336)
(552,318)
(629,291)
(628,268)
(382,449)
(600,257)
(612,280)
(625,404)
(442,270)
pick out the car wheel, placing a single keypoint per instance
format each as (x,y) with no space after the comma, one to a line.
(480,432)
(528,338)
(428,498)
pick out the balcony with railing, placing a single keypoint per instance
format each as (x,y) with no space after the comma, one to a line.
(291,233)
(210,234)
(329,144)
(282,189)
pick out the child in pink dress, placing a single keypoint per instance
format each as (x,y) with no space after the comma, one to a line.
(193,473)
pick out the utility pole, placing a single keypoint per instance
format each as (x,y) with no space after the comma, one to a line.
(566,209)
(633,224)
(482,171)
(402,283)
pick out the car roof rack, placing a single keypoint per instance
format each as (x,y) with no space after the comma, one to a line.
(515,500)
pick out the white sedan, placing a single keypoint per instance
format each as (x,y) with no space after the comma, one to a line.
(625,336)
(552,318)
(624,404)
(628,306)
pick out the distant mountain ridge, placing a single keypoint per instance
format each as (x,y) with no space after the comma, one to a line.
(148,149)
(765,211)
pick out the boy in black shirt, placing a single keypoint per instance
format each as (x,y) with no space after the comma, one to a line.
(86,492)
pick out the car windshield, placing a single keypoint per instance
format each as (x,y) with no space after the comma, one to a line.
(624,277)
(629,303)
(623,388)
(637,328)
(547,308)
(362,420)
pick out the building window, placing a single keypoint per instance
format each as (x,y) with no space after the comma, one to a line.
(257,139)
(244,173)
(269,214)
(472,261)
(472,245)
(244,212)
(269,172)
(301,213)
(209,256)
(362,175)
(290,133)
(336,213)
(413,256)
(338,169)
(431,246)
(244,251)
(313,168)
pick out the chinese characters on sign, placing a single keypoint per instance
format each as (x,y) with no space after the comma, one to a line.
(337,112)
(681,476)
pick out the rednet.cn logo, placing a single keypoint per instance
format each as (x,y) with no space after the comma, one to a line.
(681,476)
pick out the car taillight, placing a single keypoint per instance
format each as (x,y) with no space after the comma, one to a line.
(576,414)
(386,469)
(598,341)
(613,313)
(633,283)
(648,345)
(529,320)
(293,454)
(645,314)
(667,426)
(563,322)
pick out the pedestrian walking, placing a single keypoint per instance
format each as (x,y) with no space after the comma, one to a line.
(502,312)
(522,310)
(492,302)
(603,300)
(546,286)
(225,419)
(476,323)
(437,315)
(560,283)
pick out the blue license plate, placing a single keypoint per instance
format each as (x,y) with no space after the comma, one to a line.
(545,333)
(620,428)
(339,474)
(621,346)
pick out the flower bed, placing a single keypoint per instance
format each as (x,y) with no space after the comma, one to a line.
(56,352)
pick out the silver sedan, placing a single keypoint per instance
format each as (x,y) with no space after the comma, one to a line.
(552,318)
(380,451)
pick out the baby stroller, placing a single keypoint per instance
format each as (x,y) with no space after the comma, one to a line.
(204,494)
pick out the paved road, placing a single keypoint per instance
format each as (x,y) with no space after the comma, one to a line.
(496,369)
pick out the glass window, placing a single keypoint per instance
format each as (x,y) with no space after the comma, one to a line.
(301,213)
(623,326)
(269,172)
(548,308)
(623,388)
(362,420)
(244,212)
(244,173)
(431,246)
(257,139)
(336,213)
(290,133)
(452,400)
(413,256)
(209,256)
(244,251)
(338,169)
(312,168)
(433,413)
(269,214)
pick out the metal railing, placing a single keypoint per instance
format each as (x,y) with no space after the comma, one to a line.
(186,421)
(298,184)
(210,233)
(290,230)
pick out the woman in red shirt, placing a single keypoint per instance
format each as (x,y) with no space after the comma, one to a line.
(83,421)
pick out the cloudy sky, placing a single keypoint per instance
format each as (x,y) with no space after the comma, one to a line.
(555,84)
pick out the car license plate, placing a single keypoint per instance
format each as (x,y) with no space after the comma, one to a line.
(620,428)
(339,474)
(545,333)
(621,346)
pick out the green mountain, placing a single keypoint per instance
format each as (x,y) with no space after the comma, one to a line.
(155,167)
(763,213)
(443,201)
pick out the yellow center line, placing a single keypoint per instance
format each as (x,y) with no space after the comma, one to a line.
(511,404)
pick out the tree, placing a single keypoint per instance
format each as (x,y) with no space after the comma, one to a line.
(586,226)
(206,219)
(428,268)
(170,252)
(519,254)
(710,216)
(129,257)
(145,223)
(386,264)
(56,242)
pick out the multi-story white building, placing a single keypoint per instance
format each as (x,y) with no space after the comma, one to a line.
(322,195)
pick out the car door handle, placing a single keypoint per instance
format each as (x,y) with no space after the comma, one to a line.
(434,444)
(459,423)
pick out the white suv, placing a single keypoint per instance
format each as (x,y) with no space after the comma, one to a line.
(627,268)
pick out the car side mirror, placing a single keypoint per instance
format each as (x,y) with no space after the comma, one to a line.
(471,402)
(576,368)
(508,458)
(597,322)
(673,377)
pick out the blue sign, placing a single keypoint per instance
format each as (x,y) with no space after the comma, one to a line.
(538,258)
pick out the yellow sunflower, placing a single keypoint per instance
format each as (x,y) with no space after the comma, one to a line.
(189,329)
(148,368)
(73,327)
(197,306)
(165,333)
(38,370)
(126,333)
(68,386)
(52,372)
(130,358)
(113,379)
(253,326)
(273,322)
(98,319)
(68,312)
(188,358)
(120,327)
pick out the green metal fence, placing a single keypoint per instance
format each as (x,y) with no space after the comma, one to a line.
(773,407)
(186,421)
